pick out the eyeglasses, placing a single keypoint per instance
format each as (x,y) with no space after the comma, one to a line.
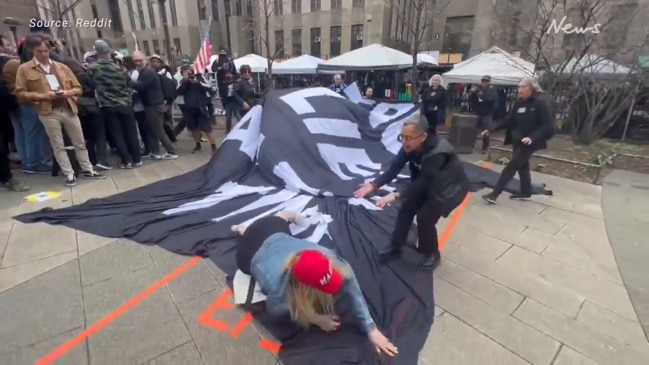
(402,138)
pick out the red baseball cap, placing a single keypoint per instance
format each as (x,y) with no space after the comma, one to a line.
(314,269)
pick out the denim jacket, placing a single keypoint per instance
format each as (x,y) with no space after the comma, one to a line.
(268,268)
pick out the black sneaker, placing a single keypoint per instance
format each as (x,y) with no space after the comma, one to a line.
(197,149)
(520,196)
(126,166)
(490,198)
(431,263)
(70,180)
(389,256)
(93,175)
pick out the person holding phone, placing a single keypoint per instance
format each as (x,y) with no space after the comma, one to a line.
(195,92)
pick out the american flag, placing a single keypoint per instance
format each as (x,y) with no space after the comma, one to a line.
(204,54)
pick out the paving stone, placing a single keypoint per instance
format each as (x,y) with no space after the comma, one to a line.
(88,242)
(186,354)
(601,348)
(5,232)
(16,275)
(487,247)
(610,295)
(449,340)
(98,189)
(220,347)
(32,353)
(534,239)
(479,286)
(605,322)
(517,279)
(150,329)
(523,340)
(30,242)
(218,273)
(194,282)
(116,258)
(568,356)
(39,309)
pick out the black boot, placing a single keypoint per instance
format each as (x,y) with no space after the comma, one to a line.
(490,198)
(393,254)
(431,263)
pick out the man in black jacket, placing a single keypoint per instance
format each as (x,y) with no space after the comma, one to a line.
(150,92)
(195,92)
(483,102)
(438,185)
(221,66)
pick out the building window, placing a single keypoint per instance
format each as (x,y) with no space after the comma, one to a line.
(238,8)
(315,42)
(336,4)
(174,14)
(152,22)
(131,14)
(156,47)
(357,36)
(279,44)
(358,4)
(334,41)
(140,14)
(215,10)
(278,6)
(147,50)
(249,8)
(458,33)
(93,9)
(296,6)
(227,7)
(296,40)
(113,8)
(316,5)
(202,10)
(177,46)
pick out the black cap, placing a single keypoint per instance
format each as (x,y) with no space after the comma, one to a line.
(486,78)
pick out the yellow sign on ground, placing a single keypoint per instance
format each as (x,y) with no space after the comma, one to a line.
(42,196)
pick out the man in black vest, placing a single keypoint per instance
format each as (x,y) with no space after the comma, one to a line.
(438,185)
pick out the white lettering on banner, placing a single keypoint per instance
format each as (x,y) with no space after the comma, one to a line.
(333,127)
(292,180)
(249,137)
(297,99)
(379,114)
(265,201)
(335,156)
(227,191)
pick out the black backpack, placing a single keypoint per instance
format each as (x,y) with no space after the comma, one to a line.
(168,87)
(8,101)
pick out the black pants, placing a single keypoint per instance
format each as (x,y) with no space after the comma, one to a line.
(156,131)
(520,163)
(169,125)
(255,236)
(5,167)
(485,123)
(140,117)
(121,125)
(431,118)
(182,123)
(427,217)
(94,131)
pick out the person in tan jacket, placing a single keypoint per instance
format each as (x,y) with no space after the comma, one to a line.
(53,88)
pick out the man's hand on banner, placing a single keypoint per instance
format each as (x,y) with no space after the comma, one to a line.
(364,190)
(386,200)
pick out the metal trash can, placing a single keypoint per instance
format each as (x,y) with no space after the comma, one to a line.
(463,133)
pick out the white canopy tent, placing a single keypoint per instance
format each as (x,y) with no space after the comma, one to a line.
(304,64)
(593,64)
(503,67)
(256,63)
(372,57)
(426,59)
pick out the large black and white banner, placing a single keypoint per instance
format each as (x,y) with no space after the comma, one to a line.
(306,151)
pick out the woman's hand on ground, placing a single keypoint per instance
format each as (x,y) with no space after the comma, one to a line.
(382,344)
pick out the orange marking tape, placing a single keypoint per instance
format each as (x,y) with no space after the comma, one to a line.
(110,318)
(243,323)
(222,302)
(446,235)
(270,346)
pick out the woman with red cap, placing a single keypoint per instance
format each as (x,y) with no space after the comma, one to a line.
(301,278)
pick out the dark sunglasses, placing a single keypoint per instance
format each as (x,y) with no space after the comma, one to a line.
(485,80)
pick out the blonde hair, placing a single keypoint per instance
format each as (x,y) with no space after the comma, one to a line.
(306,302)
(436,77)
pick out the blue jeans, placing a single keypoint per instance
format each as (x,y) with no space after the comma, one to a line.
(31,141)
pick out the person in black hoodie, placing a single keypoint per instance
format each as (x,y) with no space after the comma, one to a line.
(194,90)
(92,121)
(221,66)
(231,108)
(528,128)
(244,90)
(438,185)
(433,102)
(150,92)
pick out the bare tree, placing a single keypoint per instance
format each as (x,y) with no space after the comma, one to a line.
(269,20)
(418,16)
(578,48)
(58,10)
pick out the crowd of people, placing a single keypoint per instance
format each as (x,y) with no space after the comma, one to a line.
(62,115)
